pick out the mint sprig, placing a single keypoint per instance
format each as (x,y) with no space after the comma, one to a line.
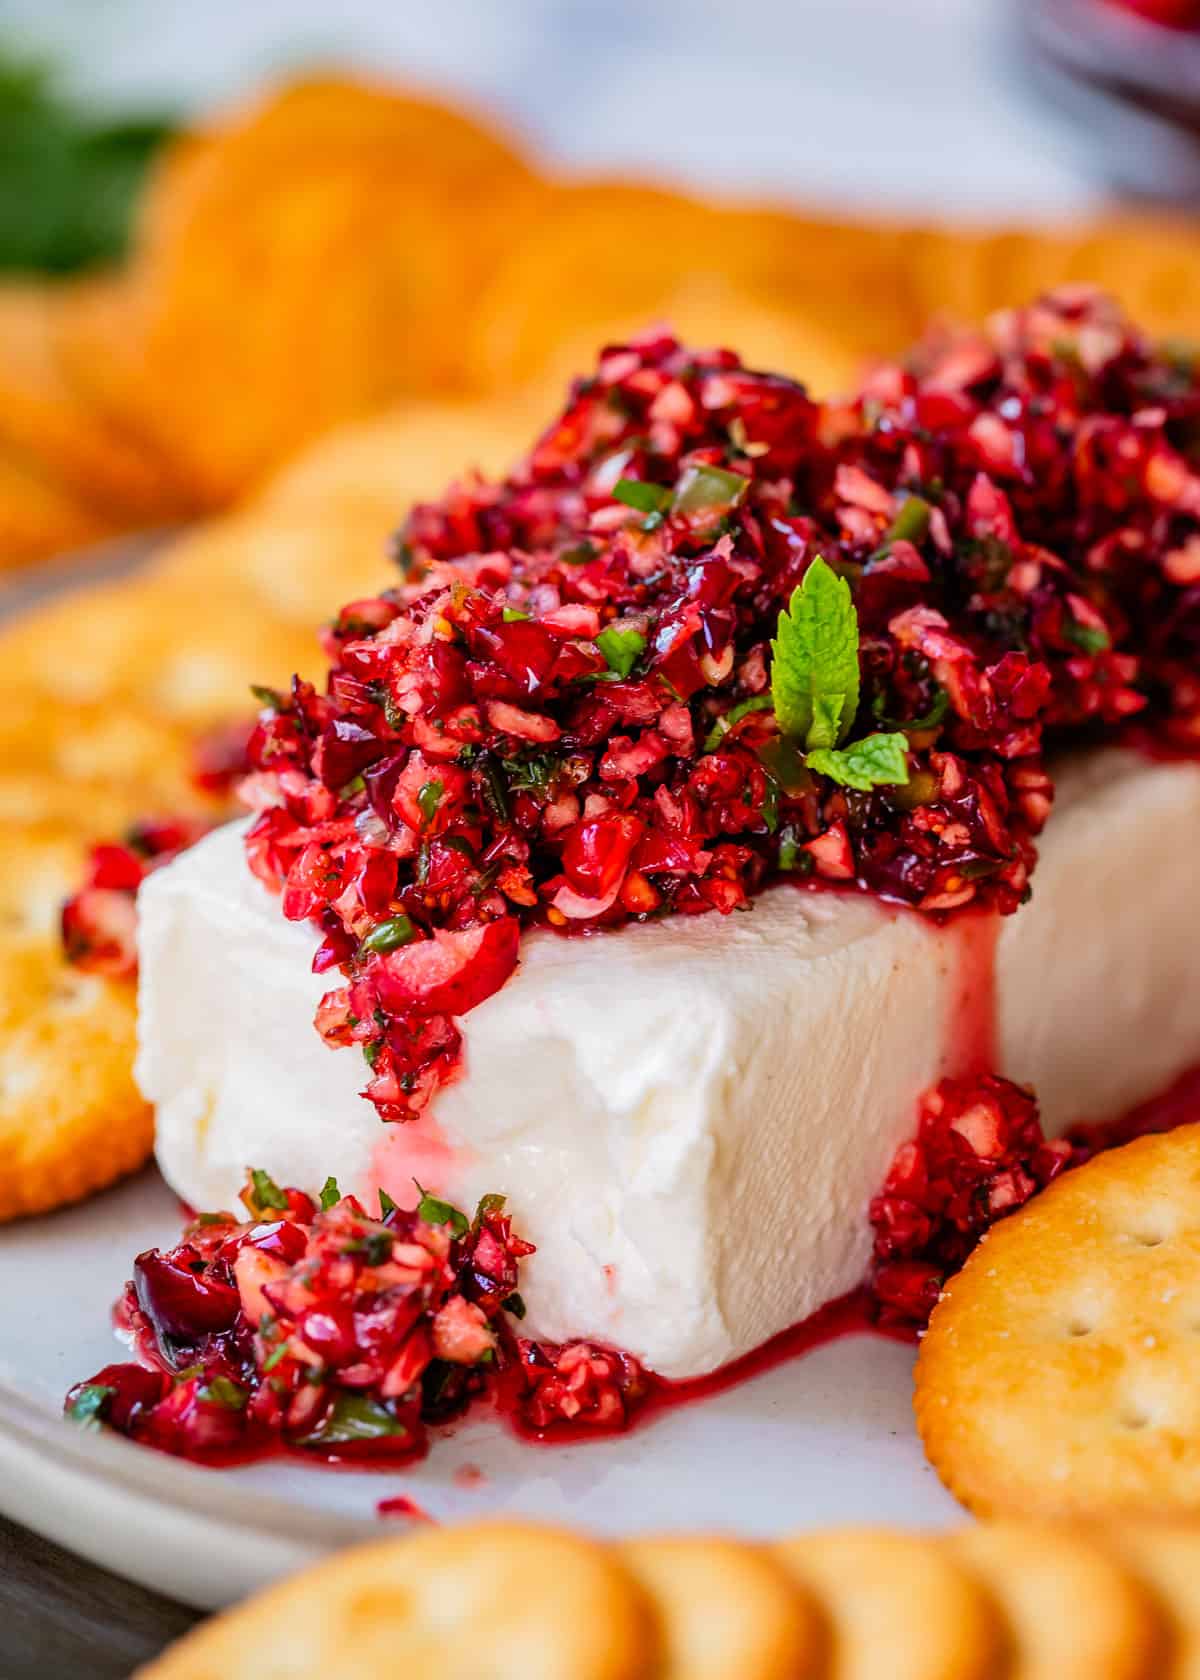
(814,660)
(875,761)
(621,648)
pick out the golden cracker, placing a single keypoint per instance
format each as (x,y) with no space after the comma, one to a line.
(1060,1374)
(497,1598)
(899,1605)
(182,649)
(46,420)
(71,1119)
(1165,1557)
(726,1611)
(1070,1611)
(40,517)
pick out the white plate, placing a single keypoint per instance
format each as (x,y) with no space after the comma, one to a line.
(828,1437)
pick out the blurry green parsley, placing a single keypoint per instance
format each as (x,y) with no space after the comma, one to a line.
(68,180)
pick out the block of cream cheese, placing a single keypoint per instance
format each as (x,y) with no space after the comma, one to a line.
(689,1117)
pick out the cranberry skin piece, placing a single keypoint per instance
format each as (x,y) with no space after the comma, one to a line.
(182,1304)
(597,853)
(344,751)
(523,650)
(136,1391)
(282,1238)
(449,973)
(329,1332)
(115,867)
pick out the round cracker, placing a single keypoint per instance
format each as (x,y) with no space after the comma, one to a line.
(40,517)
(1165,1557)
(179,647)
(1060,1374)
(1070,1611)
(71,1119)
(498,1598)
(726,1611)
(899,1605)
(45,419)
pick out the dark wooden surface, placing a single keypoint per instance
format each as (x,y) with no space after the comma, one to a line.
(63,1619)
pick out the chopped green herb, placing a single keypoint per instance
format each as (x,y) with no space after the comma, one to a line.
(388,935)
(375,1247)
(914,726)
(814,663)
(621,648)
(1090,637)
(267,1193)
(514,1304)
(911,521)
(372,1052)
(646,498)
(87,1406)
(276,1356)
(735,714)
(330,1194)
(488,1205)
(386,1204)
(436,1212)
(270,697)
(705,489)
(355,1417)
(511,615)
(578,554)
(785,766)
(429,799)
(224,1392)
(875,761)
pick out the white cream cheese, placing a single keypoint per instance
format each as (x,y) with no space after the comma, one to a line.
(688,1117)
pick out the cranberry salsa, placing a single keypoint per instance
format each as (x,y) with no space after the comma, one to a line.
(316,1328)
(708,637)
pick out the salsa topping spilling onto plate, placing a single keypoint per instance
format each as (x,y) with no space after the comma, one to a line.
(315,1328)
(710,635)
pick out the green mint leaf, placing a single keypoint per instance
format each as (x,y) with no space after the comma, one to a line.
(1086,636)
(621,648)
(386,1204)
(914,726)
(705,489)
(735,714)
(814,660)
(429,798)
(267,1193)
(388,935)
(330,1194)
(646,498)
(375,1247)
(224,1392)
(354,1417)
(911,521)
(875,761)
(87,1405)
(488,1205)
(269,697)
(436,1212)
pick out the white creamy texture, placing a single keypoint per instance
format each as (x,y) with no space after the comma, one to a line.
(689,1117)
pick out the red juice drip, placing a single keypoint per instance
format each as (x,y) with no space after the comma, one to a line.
(400,1505)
